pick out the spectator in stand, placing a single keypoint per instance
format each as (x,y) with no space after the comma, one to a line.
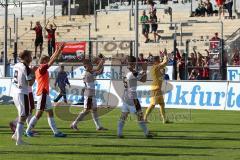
(229,4)
(2,57)
(51,37)
(209,8)
(141,58)
(64,7)
(236,58)
(220,6)
(39,37)
(150,58)
(194,75)
(181,65)
(166,76)
(215,42)
(200,10)
(152,7)
(154,25)
(205,72)
(145,26)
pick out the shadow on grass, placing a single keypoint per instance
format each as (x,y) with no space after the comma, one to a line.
(210,123)
(163,147)
(101,153)
(140,146)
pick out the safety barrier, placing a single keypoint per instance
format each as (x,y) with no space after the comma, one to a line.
(209,95)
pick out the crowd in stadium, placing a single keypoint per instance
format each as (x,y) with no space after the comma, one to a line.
(206,8)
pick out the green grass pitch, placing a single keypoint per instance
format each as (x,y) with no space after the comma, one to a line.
(196,135)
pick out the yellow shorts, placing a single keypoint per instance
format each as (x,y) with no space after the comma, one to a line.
(156,97)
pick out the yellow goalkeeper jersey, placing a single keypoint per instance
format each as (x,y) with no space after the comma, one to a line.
(157,74)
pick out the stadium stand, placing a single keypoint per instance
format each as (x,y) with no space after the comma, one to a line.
(114,25)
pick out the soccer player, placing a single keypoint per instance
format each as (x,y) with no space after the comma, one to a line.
(156,93)
(130,102)
(22,80)
(13,124)
(90,104)
(43,98)
(62,81)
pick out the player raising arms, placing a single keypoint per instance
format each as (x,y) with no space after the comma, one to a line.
(43,98)
(90,104)
(130,102)
(22,80)
(156,93)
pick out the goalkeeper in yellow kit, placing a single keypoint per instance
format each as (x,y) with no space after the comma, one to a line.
(157,73)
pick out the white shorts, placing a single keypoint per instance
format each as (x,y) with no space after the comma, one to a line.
(129,108)
(128,103)
(44,102)
(21,102)
(90,103)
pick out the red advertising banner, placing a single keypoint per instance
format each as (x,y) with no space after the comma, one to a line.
(73,51)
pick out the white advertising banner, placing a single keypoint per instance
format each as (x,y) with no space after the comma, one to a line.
(233,97)
(197,95)
(5,87)
(233,73)
(181,95)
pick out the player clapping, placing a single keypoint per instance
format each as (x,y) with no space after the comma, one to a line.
(156,87)
(130,102)
(90,104)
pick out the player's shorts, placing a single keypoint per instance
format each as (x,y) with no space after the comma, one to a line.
(145,30)
(156,97)
(44,102)
(154,27)
(128,107)
(38,41)
(90,103)
(31,101)
(21,102)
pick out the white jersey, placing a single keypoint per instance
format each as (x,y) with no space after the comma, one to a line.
(89,80)
(130,83)
(22,74)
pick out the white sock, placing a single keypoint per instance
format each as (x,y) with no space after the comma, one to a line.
(52,125)
(32,123)
(28,119)
(120,127)
(15,122)
(144,127)
(96,119)
(19,131)
(80,117)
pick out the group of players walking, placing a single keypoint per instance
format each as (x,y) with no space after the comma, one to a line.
(25,76)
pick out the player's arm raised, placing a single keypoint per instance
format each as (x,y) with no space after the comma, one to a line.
(99,66)
(165,61)
(56,54)
(46,26)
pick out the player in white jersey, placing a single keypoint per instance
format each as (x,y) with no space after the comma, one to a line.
(90,104)
(13,124)
(130,101)
(22,80)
